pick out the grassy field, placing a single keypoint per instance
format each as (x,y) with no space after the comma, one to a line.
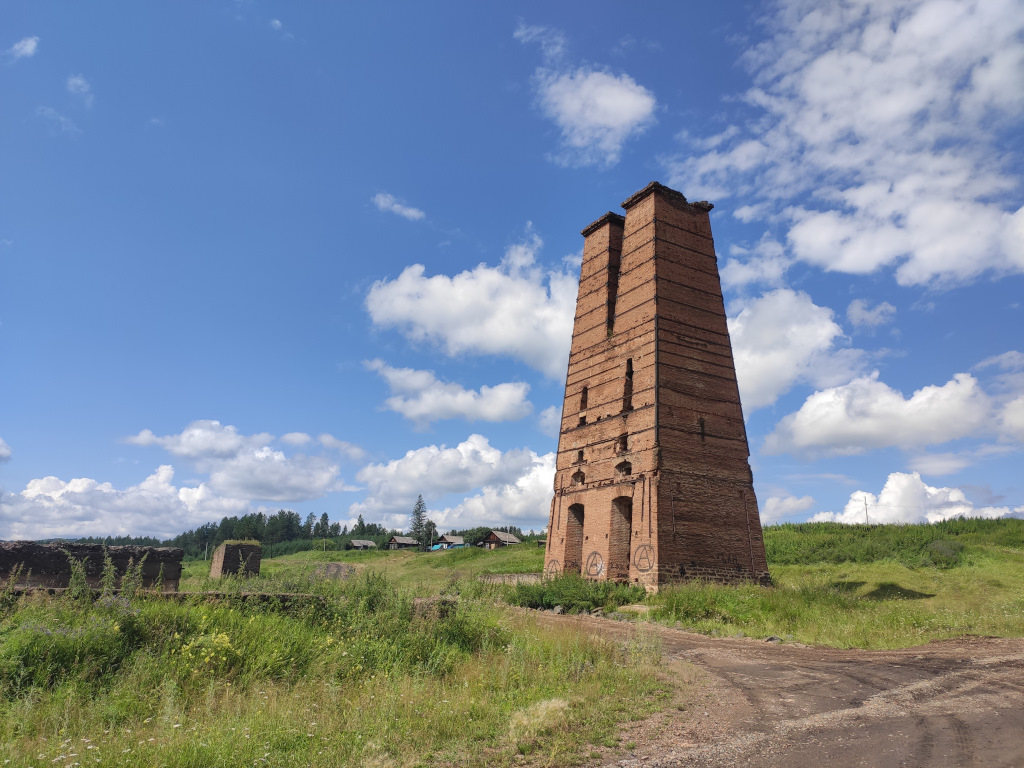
(883,586)
(849,586)
(364,676)
(870,586)
(421,573)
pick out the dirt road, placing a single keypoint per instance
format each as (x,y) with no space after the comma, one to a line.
(950,703)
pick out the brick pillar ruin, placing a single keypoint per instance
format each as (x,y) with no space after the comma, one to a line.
(653,480)
(236,558)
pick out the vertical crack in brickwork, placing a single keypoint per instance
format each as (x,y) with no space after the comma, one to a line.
(614,260)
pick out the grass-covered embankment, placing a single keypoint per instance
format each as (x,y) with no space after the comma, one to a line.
(362,679)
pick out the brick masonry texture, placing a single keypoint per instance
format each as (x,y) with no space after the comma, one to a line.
(47,565)
(653,481)
(241,559)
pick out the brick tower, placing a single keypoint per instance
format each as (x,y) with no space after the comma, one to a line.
(653,480)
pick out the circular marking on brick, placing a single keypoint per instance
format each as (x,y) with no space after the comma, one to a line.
(595,564)
(643,558)
(552,569)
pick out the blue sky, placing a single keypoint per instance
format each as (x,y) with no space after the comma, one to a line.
(323,257)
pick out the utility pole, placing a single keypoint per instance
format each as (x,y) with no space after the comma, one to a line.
(866,511)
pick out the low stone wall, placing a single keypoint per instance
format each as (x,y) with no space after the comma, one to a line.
(47,565)
(232,558)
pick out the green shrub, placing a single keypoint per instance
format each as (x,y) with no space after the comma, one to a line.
(943,554)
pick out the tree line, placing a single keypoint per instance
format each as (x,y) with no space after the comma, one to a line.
(285,532)
(282,533)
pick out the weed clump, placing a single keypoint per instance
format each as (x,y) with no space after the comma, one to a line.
(574,593)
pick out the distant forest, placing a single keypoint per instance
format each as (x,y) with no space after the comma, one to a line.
(283,533)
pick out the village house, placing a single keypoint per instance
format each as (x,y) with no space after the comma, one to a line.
(402,542)
(448,541)
(496,539)
(363,544)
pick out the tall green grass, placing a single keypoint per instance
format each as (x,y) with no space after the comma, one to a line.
(883,586)
(361,677)
(933,545)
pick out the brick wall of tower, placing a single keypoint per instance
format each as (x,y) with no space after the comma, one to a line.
(657,460)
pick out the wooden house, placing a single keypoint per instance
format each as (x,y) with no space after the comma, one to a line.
(496,539)
(402,542)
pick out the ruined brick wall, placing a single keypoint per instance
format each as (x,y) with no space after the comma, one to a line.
(652,478)
(47,565)
(233,558)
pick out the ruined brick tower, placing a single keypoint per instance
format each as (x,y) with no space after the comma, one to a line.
(653,480)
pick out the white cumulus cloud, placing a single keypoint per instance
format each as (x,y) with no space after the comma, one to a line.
(778,508)
(550,420)
(783,338)
(390,203)
(264,473)
(596,111)
(515,309)
(906,498)
(879,136)
(423,398)
(248,467)
(24,48)
(5,451)
(434,471)
(525,501)
(764,263)
(203,439)
(49,507)
(866,414)
(1012,419)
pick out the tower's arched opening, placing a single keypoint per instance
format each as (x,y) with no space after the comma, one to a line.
(574,540)
(620,538)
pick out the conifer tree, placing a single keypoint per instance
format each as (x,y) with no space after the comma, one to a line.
(418,521)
